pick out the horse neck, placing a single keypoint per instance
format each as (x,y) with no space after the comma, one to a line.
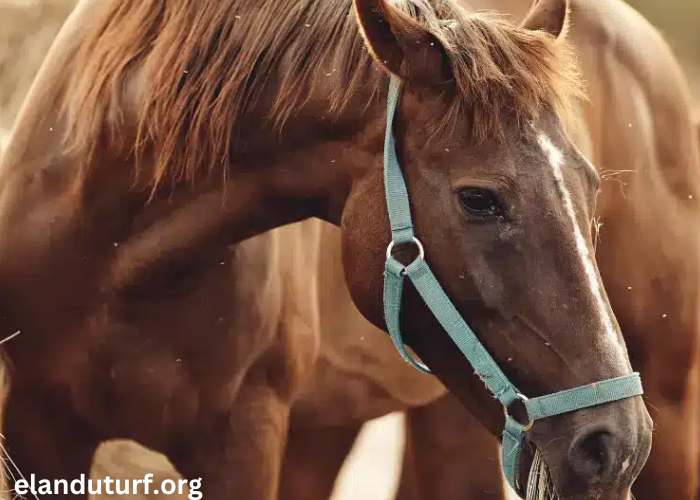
(307,169)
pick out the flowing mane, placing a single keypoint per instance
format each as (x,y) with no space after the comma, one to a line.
(208,63)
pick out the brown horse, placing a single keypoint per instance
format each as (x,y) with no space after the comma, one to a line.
(638,130)
(159,134)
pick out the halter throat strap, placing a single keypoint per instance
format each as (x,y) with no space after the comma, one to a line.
(427,285)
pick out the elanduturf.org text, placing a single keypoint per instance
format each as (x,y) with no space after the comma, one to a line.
(109,486)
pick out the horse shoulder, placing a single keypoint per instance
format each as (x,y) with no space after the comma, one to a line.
(287,299)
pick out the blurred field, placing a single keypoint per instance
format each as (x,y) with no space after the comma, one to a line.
(27,28)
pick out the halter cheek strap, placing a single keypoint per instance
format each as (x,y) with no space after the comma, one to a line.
(464,338)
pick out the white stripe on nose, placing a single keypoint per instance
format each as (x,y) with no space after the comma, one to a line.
(556,160)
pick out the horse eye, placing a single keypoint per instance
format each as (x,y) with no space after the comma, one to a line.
(481,203)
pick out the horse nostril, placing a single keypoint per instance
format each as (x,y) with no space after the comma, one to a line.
(591,454)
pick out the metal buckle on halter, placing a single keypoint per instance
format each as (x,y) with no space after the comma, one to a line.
(523,399)
(416,241)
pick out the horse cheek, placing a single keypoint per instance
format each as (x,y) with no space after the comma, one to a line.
(365,236)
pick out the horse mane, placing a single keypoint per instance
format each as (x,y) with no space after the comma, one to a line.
(208,63)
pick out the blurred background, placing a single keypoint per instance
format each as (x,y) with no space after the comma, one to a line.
(27,28)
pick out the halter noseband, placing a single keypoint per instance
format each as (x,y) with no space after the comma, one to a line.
(436,299)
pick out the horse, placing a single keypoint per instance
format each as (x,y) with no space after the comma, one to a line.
(644,146)
(158,135)
(638,131)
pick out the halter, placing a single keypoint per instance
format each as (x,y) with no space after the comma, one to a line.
(442,308)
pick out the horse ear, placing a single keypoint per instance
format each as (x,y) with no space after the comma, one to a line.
(401,45)
(551,16)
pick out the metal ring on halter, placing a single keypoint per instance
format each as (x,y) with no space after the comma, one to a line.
(416,241)
(523,399)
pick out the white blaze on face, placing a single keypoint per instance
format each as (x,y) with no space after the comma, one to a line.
(556,160)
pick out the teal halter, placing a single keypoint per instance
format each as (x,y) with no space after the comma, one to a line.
(435,298)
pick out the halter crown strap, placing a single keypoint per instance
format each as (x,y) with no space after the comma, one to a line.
(394,185)
(464,338)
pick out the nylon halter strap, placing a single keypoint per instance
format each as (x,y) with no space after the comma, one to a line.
(437,301)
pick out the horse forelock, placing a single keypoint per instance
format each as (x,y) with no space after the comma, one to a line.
(207,65)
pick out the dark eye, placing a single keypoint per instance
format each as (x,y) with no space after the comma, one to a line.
(481,203)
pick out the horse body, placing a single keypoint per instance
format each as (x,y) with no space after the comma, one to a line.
(112,187)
